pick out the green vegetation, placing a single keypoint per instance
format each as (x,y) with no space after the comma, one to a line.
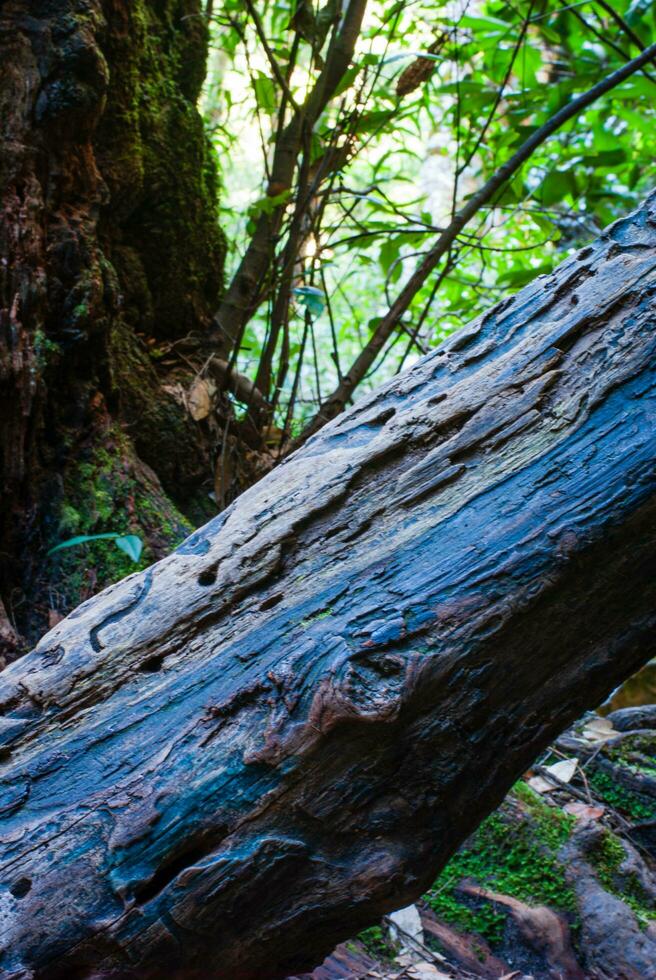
(163,171)
(435,100)
(635,753)
(106,494)
(323,614)
(607,858)
(511,854)
(631,804)
(44,349)
(375,942)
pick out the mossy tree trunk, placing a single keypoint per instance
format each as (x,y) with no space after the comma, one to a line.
(109,250)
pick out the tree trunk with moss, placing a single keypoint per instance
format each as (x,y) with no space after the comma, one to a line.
(227,763)
(109,252)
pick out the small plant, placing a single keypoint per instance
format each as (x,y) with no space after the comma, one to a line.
(624,800)
(376,943)
(129,544)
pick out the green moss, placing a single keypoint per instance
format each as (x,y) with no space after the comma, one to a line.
(161,168)
(376,944)
(316,616)
(107,492)
(513,855)
(70,520)
(44,349)
(607,857)
(620,798)
(483,920)
(636,753)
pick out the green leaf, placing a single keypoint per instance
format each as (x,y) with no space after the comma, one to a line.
(131,545)
(389,251)
(312,298)
(265,93)
(268,204)
(347,80)
(370,121)
(82,539)
(519,277)
(606,158)
(556,186)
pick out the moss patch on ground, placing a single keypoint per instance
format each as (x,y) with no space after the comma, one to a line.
(513,852)
(631,804)
(607,858)
(376,943)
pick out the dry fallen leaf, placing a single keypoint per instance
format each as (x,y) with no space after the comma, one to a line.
(584,812)
(540,785)
(563,770)
(426,971)
(177,392)
(199,399)
(599,730)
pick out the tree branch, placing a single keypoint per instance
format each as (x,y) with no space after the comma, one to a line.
(245,291)
(275,67)
(336,402)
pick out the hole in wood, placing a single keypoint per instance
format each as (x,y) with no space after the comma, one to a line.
(21,887)
(152,664)
(272,601)
(169,871)
(208,577)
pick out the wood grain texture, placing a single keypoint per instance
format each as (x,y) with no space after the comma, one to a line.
(226,764)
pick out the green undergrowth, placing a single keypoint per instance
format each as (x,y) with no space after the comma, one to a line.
(620,798)
(375,942)
(514,854)
(519,852)
(636,753)
(607,858)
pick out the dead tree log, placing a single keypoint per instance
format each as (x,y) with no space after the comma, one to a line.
(227,763)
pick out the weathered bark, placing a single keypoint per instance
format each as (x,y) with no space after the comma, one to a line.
(226,764)
(108,237)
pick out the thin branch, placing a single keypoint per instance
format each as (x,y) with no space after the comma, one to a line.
(486,125)
(611,44)
(271,58)
(244,294)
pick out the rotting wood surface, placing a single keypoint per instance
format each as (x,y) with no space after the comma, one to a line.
(226,764)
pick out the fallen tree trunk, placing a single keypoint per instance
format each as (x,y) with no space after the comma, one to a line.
(226,764)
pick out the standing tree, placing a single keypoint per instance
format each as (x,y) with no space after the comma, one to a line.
(109,243)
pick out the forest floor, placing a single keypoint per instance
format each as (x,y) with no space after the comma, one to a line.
(558,884)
